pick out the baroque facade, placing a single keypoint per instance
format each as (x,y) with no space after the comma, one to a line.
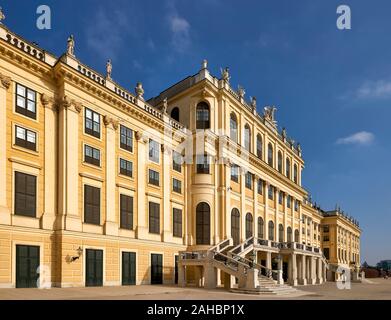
(100,187)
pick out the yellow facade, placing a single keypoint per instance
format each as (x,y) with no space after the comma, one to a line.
(65,90)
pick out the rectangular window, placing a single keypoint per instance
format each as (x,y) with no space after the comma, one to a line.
(92,123)
(154,217)
(326,252)
(91,155)
(126,212)
(281,197)
(126,138)
(126,167)
(260,186)
(26,101)
(91,205)
(249,180)
(203,164)
(25,194)
(153,177)
(177,185)
(326,228)
(271,192)
(289,201)
(177,223)
(154,151)
(235,173)
(25,138)
(177,161)
(297,207)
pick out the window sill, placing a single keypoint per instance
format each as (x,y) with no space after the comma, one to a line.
(19,148)
(87,164)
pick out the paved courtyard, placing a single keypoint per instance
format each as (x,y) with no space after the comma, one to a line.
(377,289)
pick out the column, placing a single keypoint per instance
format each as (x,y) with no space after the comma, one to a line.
(217,208)
(255,204)
(69,147)
(269,260)
(181,275)
(276,221)
(312,270)
(111,225)
(280,278)
(292,270)
(5,212)
(50,199)
(210,276)
(242,206)
(166,212)
(227,199)
(142,212)
(266,218)
(303,275)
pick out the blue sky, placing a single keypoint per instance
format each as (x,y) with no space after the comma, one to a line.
(332,88)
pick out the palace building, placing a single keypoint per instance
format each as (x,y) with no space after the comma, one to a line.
(196,186)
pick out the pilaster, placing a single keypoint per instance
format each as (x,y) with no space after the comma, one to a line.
(142,212)
(167,234)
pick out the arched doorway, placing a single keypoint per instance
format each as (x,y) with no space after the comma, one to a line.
(249,225)
(203,223)
(235,226)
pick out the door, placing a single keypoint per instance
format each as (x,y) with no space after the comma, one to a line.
(128,268)
(94,268)
(27,263)
(285,271)
(235,226)
(176,269)
(156,268)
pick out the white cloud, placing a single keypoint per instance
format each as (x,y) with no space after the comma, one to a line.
(374,90)
(358,138)
(179,27)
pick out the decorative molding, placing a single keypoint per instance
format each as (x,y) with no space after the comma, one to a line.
(91,176)
(48,102)
(107,120)
(25,162)
(5,81)
(68,103)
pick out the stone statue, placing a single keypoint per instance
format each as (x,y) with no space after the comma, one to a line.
(254,102)
(299,148)
(283,133)
(204,64)
(165,105)
(241,91)
(269,113)
(109,69)
(71,46)
(225,74)
(2,15)
(139,90)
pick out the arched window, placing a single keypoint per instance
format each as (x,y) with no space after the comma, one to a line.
(288,168)
(260,228)
(247,137)
(202,116)
(175,114)
(270,155)
(279,161)
(233,127)
(235,226)
(297,235)
(249,225)
(289,234)
(203,223)
(271,230)
(295,173)
(280,233)
(259,146)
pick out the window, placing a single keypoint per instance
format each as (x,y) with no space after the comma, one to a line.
(92,123)
(295,173)
(270,155)
(202,116)
(154,151)
(203,164)
(235,173)
(326,238)
(26,101)
(297,235)
(154,217)
(177,185)
(288,168)
(25,138)
(203,223)
(153,177)
(91,205)
(280,233)
(25,194)
(126,212)
(326,252)
(302,230)
(175,114)
(271,230)
(235,226)
(297,205)
(247,137)
(289,201)
(91,155)
(279,165)
(177,222)
(177,161)
(126,167)
(249,180)
(281,197)
(126,138)
(259,146)
(249,225)
(289,234)
(271,192)
(233,128)
(260,228)
(260,186)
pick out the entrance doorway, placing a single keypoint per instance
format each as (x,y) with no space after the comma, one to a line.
(27,263)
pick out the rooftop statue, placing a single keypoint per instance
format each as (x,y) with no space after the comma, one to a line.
(139,90)
(269,113)
(241,91)
(2,15)
(225,74)
(109,69)
(204,64)
(283,133)
(71,46)
(165,105)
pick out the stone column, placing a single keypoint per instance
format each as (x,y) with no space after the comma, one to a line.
(303,275)
(227,199)
(181,275)
(276,221)
(5,213)
(69,148)
(166,212)
(242,206)
(319,271)
(292,270)
(252,281)
(210,276)
(255,204)
(312,270)
(280,278)
(142,212)
(266,218)
(111,225)
(50,199)
(269,260)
